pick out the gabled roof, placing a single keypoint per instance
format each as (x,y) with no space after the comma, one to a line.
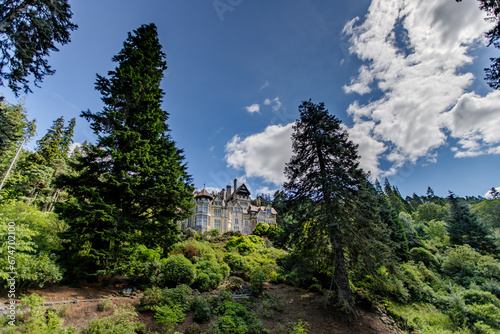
(243,189)
(203,193)
(256,209)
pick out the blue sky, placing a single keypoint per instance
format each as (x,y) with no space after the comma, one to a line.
(405,78)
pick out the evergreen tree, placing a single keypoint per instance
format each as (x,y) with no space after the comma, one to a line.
(55,143)
(323,182)
(465,228)
(29,30)
(132,187)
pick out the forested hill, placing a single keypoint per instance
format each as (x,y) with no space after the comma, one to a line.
(111,209)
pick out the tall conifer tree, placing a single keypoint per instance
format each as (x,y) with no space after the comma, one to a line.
(133,186)
(324,181)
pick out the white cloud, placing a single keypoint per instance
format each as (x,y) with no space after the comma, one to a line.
(73,146)
(488,194)
(262,154)
(476,121)
(266,84)
(254,108)
(275,102)
(413,52)
(265,191)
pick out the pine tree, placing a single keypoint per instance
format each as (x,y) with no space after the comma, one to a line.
(465,228)
(323,181)
(133,186)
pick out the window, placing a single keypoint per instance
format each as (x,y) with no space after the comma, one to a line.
(236,228)
(202,220)
(217,223)
(202,208)
(236,221)
(246,222)
(269,213)
(217,212)
(246,231)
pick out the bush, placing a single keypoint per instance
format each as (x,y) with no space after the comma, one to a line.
(486,313)
(210,234)
(239,265)
(467,266)
(153,273)
(177,297)
(234,283)
(178,270)
(124,321)
(235,318)
(189,232)
(193,329)
(209,275)
(245,245)
(257,281)
(201,309)
(195,251)
(420,254)
(169,316)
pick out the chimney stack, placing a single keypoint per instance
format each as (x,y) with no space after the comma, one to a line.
(228,192)
(235,184)
(258,201)
(223,194)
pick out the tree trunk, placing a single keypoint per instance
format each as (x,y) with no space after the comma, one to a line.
(12,163)
(344,293)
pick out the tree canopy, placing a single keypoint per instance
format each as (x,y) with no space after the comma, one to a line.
(29,31)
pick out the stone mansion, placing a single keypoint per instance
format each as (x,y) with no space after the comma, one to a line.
(228,211)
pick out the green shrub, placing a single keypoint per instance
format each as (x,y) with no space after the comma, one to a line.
(124,321)
(261,229)
(155,296)
(201,309)
(467,266)
(178,270)
(189,233)
(209,275)
(37,319)
(153,273)
(257,281)
(105,305)
(210,234)
(234,283)
(235,318)
(169,316)
(240,266)
(476,296)
(195,251)
(486,313)
(194,328)
(245,245)
(300,327)
(420,254)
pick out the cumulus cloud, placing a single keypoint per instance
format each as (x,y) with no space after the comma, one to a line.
(475,121)
(262,154)
(413,53)
(254,108)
